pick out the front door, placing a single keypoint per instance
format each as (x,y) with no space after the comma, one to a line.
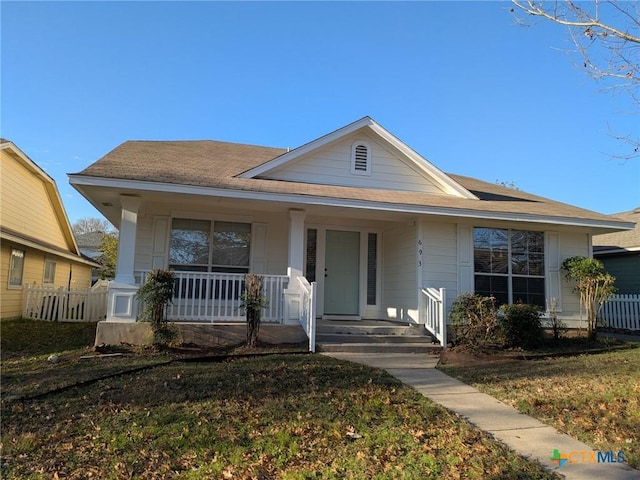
(342,273)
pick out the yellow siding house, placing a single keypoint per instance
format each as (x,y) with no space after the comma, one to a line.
(36,241)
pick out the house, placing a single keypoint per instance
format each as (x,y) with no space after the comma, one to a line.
(620,253)
(89,244)
(352,225)
(38,247)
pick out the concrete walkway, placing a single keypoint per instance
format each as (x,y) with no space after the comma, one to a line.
(521,433)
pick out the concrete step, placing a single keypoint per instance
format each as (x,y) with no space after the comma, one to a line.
(382,348)
(371,329)
(370,338)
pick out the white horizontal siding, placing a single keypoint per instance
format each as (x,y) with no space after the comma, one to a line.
(400,292)
(26,205)
(440,258)
(331,165)
(571,245)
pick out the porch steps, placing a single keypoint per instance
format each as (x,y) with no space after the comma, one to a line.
(373,337)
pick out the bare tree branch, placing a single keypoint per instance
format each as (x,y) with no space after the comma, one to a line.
(606,35)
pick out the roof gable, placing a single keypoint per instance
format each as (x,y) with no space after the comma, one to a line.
(43,216)
(327,161)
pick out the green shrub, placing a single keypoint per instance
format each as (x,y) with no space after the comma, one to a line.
(521,325)
(157,293)
(474,322)
(594,285)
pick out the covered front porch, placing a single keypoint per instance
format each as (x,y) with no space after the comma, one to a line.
(318,262)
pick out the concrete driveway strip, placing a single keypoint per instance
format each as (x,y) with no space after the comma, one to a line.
(521,433)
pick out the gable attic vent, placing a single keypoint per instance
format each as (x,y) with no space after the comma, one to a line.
(361,159)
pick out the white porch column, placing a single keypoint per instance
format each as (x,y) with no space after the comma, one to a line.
(292,295)
(122,305)
(296,243)
(127,239)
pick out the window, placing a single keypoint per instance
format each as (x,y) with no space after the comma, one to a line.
(189,249)
(372,268)
(205,246)
(16,268)
(310,264)
(196,246)
(361,158)
(231,247)
(49,271)
(509,265)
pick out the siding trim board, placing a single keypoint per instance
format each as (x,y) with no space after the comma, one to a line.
(51,249)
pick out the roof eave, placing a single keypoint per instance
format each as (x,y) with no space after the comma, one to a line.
(79,182)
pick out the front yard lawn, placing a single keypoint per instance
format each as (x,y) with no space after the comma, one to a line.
(275,416)
(592,397)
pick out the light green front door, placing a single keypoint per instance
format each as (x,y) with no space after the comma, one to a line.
(342,273)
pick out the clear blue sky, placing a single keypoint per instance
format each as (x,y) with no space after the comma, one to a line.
(458,82)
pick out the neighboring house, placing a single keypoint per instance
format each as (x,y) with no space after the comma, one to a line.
(89,244)
(38,246)
(620,253)
(356,211)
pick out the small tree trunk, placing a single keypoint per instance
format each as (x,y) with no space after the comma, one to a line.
(254,302)
(253,326)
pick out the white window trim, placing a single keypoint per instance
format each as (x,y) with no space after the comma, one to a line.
(44,273)
(367,145)
(10,285)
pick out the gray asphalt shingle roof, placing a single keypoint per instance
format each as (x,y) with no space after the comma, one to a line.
(629,239)
(216,164)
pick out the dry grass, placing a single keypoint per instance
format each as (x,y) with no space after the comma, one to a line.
(266,417)
(592,397)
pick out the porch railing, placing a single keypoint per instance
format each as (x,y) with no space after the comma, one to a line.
(622,311)
(216,297)
(432,312)
(65,305)
(308,310)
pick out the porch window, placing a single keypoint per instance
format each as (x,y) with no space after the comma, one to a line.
(205,246)
(231,243)
(509,265)
(190,240)
(16,268)
(372,268)
(49,271)
(312,246)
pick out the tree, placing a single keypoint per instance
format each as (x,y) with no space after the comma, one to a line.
(91,224)
(594,285)
(606,36)
(108,255)
(253,301)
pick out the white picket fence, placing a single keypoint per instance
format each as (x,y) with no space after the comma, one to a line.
(622,311)
(63,305)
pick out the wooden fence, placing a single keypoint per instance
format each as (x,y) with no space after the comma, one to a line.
(622,311)
(61,304)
